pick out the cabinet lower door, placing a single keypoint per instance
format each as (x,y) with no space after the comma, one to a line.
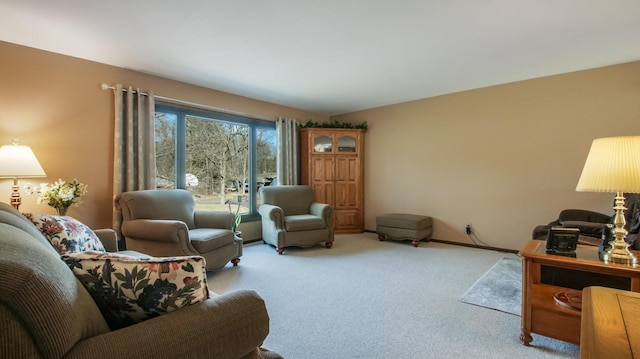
(347,221)
(322,179)
(336,181)
(347,187)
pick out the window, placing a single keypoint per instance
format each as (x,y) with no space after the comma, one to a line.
(222,159)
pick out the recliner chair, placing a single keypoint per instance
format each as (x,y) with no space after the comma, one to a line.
(290,217)
(589,223)
(632,216)
(592,224)
(164,223)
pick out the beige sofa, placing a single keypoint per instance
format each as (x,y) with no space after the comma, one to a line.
(45,312)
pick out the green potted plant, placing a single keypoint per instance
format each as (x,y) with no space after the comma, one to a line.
(238,219)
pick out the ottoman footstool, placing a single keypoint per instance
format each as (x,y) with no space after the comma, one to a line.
(404,226)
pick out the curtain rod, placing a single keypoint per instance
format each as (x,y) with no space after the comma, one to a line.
(104,86)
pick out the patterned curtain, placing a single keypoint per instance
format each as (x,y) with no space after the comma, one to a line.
(287,158)
(134,148)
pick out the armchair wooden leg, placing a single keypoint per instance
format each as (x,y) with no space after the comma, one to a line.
(235,261)
(328,244)
(381,237)
(280,250)
(415,243)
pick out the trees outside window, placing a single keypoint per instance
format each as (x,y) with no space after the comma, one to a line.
(222,159)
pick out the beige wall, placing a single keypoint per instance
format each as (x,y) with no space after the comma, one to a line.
(54,104)
(503,158)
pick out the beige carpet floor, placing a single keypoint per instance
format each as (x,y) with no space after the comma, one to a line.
(369,299)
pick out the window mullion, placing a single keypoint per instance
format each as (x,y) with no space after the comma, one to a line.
(181,150)
(253,173)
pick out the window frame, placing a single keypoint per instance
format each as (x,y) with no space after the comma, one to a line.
(182,112)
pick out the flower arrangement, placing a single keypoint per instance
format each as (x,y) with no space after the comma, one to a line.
(61,195)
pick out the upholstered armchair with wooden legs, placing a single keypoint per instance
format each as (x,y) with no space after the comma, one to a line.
(164,223)
(290,217)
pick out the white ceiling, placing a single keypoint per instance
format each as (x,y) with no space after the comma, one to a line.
(333,56)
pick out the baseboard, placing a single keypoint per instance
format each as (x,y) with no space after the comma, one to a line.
(434,240)
(466,244)
(251,240)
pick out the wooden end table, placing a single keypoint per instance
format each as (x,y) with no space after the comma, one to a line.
(545,275)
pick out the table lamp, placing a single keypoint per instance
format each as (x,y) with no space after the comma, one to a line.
(18,161)
(613,165)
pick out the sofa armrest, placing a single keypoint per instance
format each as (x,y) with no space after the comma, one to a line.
(540,232)
(226,326)
(322,210)
(214,219)
(109,239)
(157,230)
(272,213)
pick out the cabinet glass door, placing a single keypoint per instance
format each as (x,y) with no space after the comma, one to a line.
(346,144)
(322,144)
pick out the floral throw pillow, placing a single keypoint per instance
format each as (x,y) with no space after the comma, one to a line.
(66,234)
(129,289)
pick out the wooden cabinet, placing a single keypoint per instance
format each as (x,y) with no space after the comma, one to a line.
(332,162)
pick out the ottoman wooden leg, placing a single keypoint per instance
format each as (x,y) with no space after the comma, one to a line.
(415,243)
(381,237)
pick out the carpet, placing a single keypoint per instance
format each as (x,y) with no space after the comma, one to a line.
(379,300)
(500,288)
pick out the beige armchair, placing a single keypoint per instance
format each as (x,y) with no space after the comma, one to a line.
(290,217)
(165,223)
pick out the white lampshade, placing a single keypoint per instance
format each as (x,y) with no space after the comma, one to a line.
(613,165)
(19,161)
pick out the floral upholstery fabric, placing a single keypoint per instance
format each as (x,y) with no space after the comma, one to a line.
(66,234)
(129,289)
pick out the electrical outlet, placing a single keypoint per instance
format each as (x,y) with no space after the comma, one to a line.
(468,229)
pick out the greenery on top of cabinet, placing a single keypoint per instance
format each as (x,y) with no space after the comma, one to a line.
(335,124)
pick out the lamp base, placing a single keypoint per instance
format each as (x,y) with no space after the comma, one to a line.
(15,198)
(619,253)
